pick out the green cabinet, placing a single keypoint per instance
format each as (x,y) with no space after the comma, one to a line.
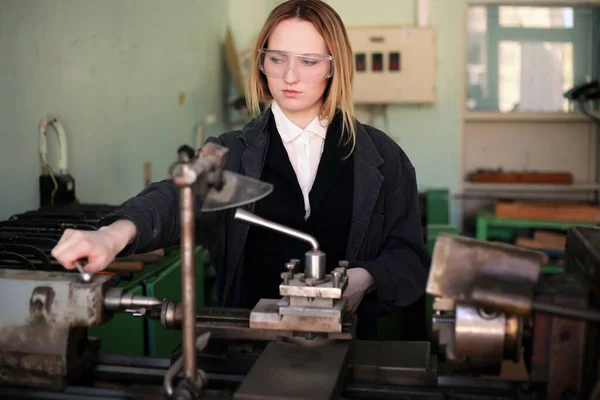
(125,334)
(438,206)
(434,230)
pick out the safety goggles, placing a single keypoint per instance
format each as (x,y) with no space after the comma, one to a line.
(306,67)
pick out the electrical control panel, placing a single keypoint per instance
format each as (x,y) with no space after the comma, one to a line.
(393,65)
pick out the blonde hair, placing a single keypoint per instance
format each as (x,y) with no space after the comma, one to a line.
(339,89)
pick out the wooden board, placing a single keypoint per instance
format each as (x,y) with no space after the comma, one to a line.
(525,177)
(548,212)
(551,240)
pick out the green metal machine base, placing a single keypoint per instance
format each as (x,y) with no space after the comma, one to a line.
(125,334)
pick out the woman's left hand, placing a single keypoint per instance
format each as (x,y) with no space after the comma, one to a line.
(359,282)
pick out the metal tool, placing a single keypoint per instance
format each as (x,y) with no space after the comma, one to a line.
(312,301)
(118,300)
(296,342)
(85,276)
(43,340)
(315,259)
(237,190)
(175,369)
(492,302)
(204,178)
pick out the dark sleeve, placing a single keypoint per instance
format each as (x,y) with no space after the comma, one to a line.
(155,213)
(402,266)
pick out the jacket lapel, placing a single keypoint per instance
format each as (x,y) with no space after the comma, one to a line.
(330,166)
(277,158)
(256,139)
(368,180)
(367,184)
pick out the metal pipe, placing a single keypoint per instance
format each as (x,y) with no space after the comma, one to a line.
(188,283)
(245,216)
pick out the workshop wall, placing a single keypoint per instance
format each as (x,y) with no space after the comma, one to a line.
(431,135)
(128,79)
(420,130)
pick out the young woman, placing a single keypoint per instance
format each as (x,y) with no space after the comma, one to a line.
(346,183)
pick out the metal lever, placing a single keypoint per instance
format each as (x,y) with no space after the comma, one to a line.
(200,379)
(85,276)
(314,268)
(256,220)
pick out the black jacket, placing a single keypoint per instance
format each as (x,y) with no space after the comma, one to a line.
(385,234)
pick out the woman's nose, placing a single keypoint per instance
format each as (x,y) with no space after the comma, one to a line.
(290,76)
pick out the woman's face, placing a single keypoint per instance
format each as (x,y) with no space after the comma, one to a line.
(296,66)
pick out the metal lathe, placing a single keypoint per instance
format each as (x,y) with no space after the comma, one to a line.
(492,307)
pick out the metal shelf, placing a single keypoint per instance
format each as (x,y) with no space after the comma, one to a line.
(530,187)
(491,116)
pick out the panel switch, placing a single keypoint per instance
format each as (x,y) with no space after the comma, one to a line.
(377,61)
(394,61)
(360,61)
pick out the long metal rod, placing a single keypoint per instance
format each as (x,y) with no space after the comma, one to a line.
(567,312)
(255,220)
(188,283)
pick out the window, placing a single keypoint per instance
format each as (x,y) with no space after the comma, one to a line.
(535,17)
(523,59)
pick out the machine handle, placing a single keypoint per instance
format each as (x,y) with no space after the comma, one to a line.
(253,219)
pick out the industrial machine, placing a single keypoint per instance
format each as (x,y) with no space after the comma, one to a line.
(491,305)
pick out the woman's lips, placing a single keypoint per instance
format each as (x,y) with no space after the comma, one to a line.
(291,93)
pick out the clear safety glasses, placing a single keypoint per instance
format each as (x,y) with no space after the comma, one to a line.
(306,67)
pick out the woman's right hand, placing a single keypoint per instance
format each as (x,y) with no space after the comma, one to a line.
(99,247)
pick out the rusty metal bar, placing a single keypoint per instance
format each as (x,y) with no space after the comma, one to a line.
(188,283)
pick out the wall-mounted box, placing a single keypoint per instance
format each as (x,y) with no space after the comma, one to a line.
(394,65)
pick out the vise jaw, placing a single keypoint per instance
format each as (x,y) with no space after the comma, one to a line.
(43,321)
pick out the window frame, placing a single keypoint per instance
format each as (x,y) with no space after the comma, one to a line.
(578,35)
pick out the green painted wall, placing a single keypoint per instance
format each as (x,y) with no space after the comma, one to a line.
(431,135)
(112,71)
